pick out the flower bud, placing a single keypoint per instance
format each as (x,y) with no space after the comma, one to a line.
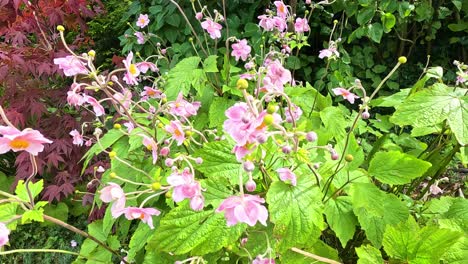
(248,166)
(271,108)
(188,133)
(334,155)
(250,185)
(199,16)
(242,84)
(112,175)
(164,151)
(60,28)
(286,149)
(198,160)
(311,136)
(156,186)
(92,53)
(112,154)
(261,138)
(169,162)
(349,157)
(402,60)
(117,126)
(365,115)
(268,119)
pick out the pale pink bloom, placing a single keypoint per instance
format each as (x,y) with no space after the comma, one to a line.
(277,76)
(180,107)
(4,232)
(124,98)
(150,92)
(140,37)
(296,113)
(28,140)
(281,9)
(241,50)
(249,65)
(301,25)
(242,151)
(175,129)
(242,125)
(77,137)
(280,23)
(73,98)
(144,66)
(329,53)
(186,187)
(114,193)
(97,107)
(286,174)
(143,21)
(266,22)
(144,214)
(346,94)
(71,65)
(461,79)
(247,76)
(286,49)
(100,169)
(434,189)
(132,70)
(152,146)
(308,2)
(73,243)
(197,203)
(213,28)
(199,16)
(88,143)
(260,260)
(129,126)
(245,209)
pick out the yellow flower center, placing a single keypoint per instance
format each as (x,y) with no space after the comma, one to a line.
(19,143)
(142,216)
(132,69)
(177,133)
(281,9)
(142,21)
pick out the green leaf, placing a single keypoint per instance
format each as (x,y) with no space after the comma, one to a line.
(33,215)
(5,182)
(296,212)
(375,32)
(216,190)
(341,218)
(210,64)
(407,242)
(435,72)
(369,255)
(218,161)
(183,230)
(393,100)
(35,189)
(217,109)
(375,210)
(334,121)
(432,106)
(106,141)
(319,248)
(308,97)
(394,167)
(293,63)
(182,76)
(139,239)
(388,21)
(365,15)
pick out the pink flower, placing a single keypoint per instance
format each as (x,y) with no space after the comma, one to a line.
(199,16)
(132,70)
(145,214)
(301,25)
(434,189)
(140,37)
(180,107)
(177,132)
(150,92)
(242,151)
(296,113)
(213,28)
(329,53)
(28,140)
(242,125)
(152,146)
(241,50)
(266,22)
(124,99)
(277,76)
(114,193)
(4,232)
(346,94)
(281,9)
(280,23)
(286,174)
(260,260)
(143,21)
(71,65)
(197,203)
(77,137)
(97,107)
(144,66)
(245,209)
(186,187)
(129,126)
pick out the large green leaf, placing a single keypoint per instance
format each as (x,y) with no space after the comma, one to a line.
(297,212)
(218,161)
(182,76)
(217,109)
(308,97)
(34,189)
(407,242)
(375,210)
(369,255)
(104,142)
(334,121)
(183,230)
(341,218)
(434,105)
(139,239)
(394,167)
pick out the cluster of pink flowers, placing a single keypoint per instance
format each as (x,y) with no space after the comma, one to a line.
(241,50)
(71,65)
(245,208)
(180,107)
(115,194)
(4,232)
(276,76)
(29,140)
(186,187)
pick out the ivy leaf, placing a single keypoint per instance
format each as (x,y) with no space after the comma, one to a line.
(407,242)
(434,105)
(369,255)
(375,210)
(34,187)
(365,15)
(389,21)
(183,230)
(394,167)
(296,212)
(341,218)
(375,32)
(218,161)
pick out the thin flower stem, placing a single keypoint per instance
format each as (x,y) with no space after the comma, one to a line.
(310,255)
